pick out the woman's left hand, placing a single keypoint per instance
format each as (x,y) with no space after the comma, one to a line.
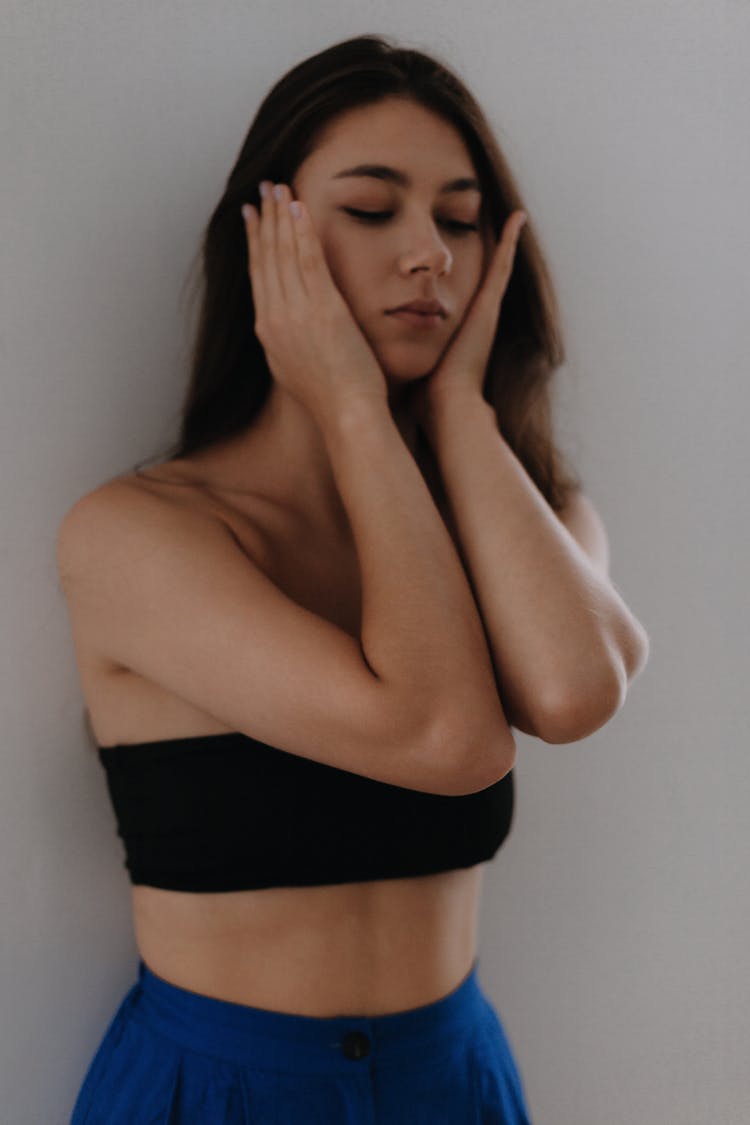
(464,364)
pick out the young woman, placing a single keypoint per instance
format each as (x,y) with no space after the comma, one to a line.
(304,637)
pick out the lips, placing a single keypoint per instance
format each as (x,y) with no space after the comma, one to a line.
(426,308)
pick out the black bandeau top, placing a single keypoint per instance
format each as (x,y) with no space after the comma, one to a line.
(225,812)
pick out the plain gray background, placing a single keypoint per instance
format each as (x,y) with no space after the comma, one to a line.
(614,928)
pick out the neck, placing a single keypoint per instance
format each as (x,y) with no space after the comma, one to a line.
(283,456)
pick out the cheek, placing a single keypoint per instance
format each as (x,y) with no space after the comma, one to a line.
(351,261)
(473,275)
(334,252)
(326,232)
(340,264)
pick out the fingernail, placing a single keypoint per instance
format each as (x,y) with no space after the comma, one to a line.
(278,192)
(245,212)
(263,188)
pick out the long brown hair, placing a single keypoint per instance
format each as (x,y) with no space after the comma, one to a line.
(230,378)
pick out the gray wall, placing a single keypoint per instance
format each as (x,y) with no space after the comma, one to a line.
(614,923)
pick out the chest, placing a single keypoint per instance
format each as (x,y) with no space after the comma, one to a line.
(318,571)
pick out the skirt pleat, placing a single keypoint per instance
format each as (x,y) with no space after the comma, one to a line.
(499,1084)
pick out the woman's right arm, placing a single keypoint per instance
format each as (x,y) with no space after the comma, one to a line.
(421,633)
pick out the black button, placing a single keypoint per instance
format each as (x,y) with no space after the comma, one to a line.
(355,1045)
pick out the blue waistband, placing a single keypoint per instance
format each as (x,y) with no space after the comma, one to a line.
(338,1044)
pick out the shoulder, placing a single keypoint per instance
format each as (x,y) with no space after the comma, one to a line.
(97,520)
(103,526)
(79,519)
(584,523)
(131,515)
(107,497)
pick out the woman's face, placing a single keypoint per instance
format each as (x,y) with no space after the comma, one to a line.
(423,248)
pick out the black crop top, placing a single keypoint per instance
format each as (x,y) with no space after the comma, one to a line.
(225,812)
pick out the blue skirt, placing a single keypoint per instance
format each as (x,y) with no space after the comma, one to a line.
(174,1057)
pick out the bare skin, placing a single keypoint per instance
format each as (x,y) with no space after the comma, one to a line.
(362,948)
(353,949)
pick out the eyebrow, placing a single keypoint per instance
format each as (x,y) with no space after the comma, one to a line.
(393,176)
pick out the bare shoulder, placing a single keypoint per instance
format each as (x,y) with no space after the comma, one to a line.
(87,528)
(78,527)
(94,523)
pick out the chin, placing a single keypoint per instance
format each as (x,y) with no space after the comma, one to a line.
(407,369)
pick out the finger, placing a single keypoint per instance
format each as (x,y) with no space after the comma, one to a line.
(313,267)
(268,260)
(252,230)
(286,247)
(511,234)
(505,252)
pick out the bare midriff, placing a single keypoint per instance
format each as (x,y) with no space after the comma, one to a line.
(364,949)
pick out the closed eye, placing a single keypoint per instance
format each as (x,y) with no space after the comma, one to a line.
(383,216)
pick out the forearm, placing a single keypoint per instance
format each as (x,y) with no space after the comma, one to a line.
(421,630)
(554,625)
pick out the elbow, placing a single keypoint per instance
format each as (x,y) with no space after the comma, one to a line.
(578,711)
(482,753)
(577,715)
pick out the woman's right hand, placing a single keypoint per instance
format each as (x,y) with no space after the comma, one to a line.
(314,347)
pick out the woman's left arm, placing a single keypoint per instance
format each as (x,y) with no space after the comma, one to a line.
(564,644)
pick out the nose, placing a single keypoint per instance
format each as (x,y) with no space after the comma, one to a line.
(428,252)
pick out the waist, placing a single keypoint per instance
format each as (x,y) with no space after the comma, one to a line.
(367,948)
(326,1046)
